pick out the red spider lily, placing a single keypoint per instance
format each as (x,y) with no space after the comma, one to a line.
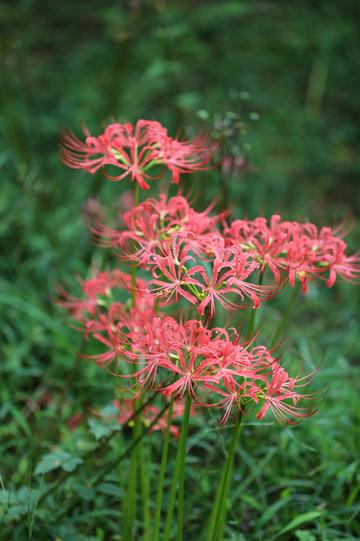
(208,246)
(330,257)
(195,256)
(109,356)
(232,397)
(300,250)
(95,152)
(279,391)
(266,244)
(215,287)
(348,267)
(230,275)
(190,374)
(106,321)
(155,220)
(171,276)
(135,150)
(188,254)
(164,245)
(157,352)
(243,266)
(166,345)
(178,359)
(97,291)
(185,156)
(153,349)
(99,285)
(116,327)
(121,145)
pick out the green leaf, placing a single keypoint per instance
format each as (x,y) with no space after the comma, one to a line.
(251,501)
(14,505)
(59,459)
(98,429)
(111,489)
(86,493)
(300,519)
(101,429)
(272,510)
(305,535)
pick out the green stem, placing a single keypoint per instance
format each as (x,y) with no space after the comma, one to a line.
(283,321)
(218,511)
(178,478)
(135,463)
(145,462)
(120,473)
(211,525)
(130,496)
(181,482)
(160,489)
(216,534)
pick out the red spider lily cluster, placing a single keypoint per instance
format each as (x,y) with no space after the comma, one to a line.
(134,151)
(202,260)
(189,255)
(153,351)
(186,254)
(299,249)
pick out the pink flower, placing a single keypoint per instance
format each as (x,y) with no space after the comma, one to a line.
(171,276)
(299,250)
(157,219)
(216,287)
(95,291)
(185,156)
(282,398)
(266,244)
(134,150)
(231,271)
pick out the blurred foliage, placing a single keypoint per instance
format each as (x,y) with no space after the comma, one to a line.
(277,83)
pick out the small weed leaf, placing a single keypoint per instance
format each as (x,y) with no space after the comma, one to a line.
(14,505)
(59,459)
(300,519)
(102,429)
(304,535)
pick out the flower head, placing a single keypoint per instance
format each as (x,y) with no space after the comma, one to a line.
(134,151)
(299,249)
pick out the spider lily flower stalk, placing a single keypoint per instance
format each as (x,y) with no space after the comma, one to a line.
(200,263)
(154,352)
(211,368)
